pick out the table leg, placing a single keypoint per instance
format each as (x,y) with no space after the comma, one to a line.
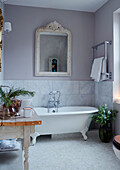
(26,146)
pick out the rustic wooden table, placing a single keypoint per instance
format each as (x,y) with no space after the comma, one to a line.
(20,128)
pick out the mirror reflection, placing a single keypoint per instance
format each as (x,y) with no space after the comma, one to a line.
(53,58)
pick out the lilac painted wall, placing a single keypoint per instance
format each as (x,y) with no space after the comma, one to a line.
(104,31)
(19,44)
(104,27)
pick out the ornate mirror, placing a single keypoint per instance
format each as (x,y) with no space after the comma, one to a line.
(53,51)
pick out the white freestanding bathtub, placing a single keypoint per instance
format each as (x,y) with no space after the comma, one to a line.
(67,120)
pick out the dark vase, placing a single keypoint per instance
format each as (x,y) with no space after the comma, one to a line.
(105,132)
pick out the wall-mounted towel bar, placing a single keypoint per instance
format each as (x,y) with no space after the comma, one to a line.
(105,43)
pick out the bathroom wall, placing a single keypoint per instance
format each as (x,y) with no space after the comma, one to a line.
(104,93)
(20,48)
(116,53)
(117,120)
(104,31)
(20,43)
(19,53)
(104,27)
(72,92)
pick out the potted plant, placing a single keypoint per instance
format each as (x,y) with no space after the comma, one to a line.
(104,117)
(8,99)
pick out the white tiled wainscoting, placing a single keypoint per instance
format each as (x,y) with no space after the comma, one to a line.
(72,92)
(104,93)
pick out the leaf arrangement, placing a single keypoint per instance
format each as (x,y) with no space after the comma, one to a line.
(6,97)
(104,115)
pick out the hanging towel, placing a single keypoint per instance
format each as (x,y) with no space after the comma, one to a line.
(104,70)
(97,69)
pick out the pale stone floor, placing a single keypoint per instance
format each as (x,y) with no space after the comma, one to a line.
(65,152)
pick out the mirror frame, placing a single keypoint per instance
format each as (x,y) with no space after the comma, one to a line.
(53,27)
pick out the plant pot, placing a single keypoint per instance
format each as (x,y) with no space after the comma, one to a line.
(7,112)
(105,132)
(13,109)
(16,104)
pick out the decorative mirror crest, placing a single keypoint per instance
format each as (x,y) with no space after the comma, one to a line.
(54,26)
(53,51)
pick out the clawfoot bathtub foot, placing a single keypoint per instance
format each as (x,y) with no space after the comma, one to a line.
(34,136)
(84,133)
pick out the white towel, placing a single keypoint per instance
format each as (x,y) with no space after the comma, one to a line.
(104,70)
(97,69)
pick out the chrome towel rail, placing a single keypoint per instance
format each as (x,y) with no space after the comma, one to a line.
(105,43)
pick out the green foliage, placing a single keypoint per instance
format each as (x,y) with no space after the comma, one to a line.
(104,115)
(6,97)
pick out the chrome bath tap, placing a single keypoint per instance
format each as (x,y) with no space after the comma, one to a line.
(54,100)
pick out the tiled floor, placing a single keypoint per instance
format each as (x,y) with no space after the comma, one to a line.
(69,152)
(11,160)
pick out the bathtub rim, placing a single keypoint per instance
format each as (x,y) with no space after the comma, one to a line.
(95,110)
